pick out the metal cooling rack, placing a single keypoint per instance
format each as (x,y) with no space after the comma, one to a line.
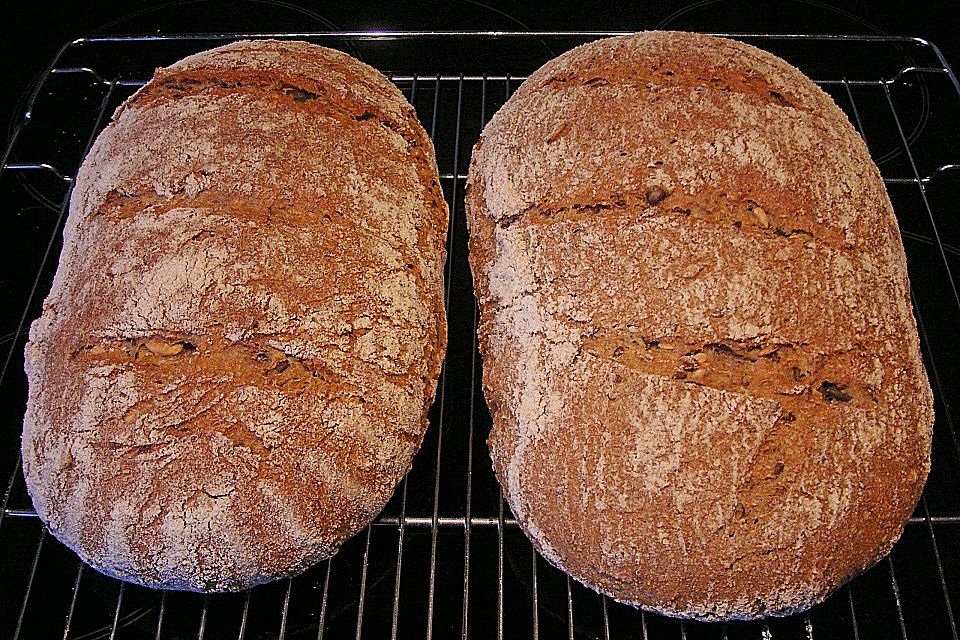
(445,558)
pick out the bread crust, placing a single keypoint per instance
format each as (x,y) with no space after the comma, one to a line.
(699,349)
(233,368)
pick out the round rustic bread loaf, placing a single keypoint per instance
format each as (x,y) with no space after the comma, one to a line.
(233,369)
(698,344)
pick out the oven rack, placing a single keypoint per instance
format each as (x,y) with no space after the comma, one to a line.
(445,558)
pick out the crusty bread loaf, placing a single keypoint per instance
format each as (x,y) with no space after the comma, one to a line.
(698,345)
(233,368)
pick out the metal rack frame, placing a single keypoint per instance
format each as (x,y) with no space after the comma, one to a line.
(493,89)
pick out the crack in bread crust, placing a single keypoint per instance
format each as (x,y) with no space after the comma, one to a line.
(699,351)
(308,91)
(122,206)
(739,216)
(659,73)
(773,370)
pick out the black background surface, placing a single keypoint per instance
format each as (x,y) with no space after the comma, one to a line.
(32,32)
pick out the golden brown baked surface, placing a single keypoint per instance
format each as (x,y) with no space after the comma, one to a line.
(698,343)
(233,368)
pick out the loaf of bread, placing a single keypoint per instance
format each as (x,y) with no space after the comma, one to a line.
(233,368)
(699,348)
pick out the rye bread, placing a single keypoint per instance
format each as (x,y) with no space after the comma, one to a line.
(697,336)
(233,368)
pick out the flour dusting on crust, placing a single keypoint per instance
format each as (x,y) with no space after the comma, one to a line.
(233,368)
(699,350)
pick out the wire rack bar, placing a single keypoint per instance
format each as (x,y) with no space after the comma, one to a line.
(470,429)
(163,608)
(606,619)
(73,600)
(87,70)
(853,613)
(459,522)
(29,589)
(286,609)
(387,34)
(323,602)
(398,77)
(500,571)
(534,593)
(38,166)
(243,616)
(448,278)
(8,491)
(896,596)
(202,629)
(395,616)
(501,521)
(363,586)
(940,572)
(402,520)
(453,215)
(939,171)
(116,610)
